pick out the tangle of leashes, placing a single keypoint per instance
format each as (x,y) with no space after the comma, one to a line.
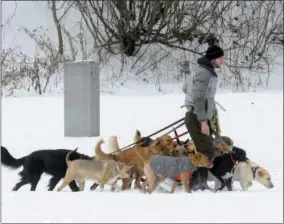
(185,142)
(177,136)
(170,125)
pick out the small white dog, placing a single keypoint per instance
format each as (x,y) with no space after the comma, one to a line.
(245,173)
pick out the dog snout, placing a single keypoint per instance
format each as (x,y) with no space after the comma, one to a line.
(271,186)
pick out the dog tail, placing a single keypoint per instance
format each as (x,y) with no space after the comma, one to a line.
(69,154)
(8,160)
(100,155)
(137,137)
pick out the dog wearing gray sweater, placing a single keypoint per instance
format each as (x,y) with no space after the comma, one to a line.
(158,168)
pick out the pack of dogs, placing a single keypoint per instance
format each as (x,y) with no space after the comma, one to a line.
(148,163)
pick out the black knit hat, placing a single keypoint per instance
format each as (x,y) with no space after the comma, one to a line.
(214,52)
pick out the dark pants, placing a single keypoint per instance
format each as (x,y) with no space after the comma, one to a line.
(202,142)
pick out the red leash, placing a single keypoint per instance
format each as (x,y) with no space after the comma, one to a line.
(179,135)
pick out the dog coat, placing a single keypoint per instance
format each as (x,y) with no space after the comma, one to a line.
(178,178)
(171,166)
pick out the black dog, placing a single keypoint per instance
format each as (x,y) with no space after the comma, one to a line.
(42,161)
(224,166)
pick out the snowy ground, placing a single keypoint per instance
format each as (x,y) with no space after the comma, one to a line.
(253,120)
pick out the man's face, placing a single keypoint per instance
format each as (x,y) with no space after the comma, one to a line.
(218,62)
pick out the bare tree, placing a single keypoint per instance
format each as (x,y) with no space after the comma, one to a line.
(11,77)
(64,7)
(145,35)
(244,29)
(23,71)
(7,22)
(131,24)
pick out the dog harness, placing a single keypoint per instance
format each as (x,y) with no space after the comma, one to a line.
(188,174)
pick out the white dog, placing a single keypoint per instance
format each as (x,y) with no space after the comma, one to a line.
(112,144)
(245,173)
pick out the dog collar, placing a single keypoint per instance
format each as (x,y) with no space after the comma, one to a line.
(254,169)
(234,161)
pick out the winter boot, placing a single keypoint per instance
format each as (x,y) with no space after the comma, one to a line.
(201,180)
(193,181)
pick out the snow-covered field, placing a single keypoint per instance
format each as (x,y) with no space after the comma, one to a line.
(253,120)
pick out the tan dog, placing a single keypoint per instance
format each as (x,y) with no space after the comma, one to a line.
(248,172)
(169,166)
(245,173)
(113,146)
(180,150)
(103,172)
(137,155)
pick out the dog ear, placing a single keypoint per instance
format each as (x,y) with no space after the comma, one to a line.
(260,173)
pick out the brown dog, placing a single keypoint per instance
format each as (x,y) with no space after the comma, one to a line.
(103,172)
(137,155)
(160,167)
